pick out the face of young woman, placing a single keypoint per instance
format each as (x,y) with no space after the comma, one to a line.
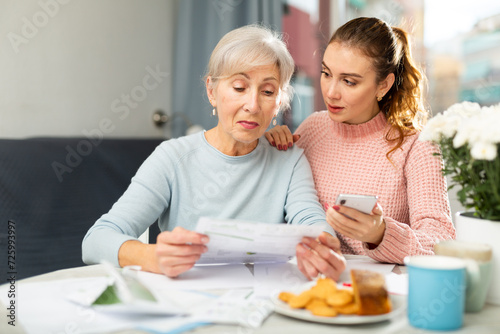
(348,85)
(246,103)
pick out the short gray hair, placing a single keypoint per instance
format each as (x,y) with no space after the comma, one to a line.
(249,46)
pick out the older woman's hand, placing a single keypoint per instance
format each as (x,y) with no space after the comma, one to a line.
(177,251)
(320,256)
(281,137)
(369,228)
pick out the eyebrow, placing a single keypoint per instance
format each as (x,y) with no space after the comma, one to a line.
(265,79)
(356,75)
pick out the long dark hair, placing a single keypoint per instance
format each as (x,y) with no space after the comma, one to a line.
(390,51)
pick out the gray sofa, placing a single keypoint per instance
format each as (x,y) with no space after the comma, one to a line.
(52,190)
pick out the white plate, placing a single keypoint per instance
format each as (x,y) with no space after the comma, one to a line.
(398,306)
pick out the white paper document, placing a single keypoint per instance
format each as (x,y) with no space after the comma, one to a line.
(44,307)
(235,307)
(236,241)
(202,278)
(274,277)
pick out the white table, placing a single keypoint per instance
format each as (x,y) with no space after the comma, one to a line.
(486,321)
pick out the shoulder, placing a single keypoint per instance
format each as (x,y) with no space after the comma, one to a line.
(182,145)
(292,154)
(415,145)
(420,152)
(317,117)
(271,151)
(176,149)
(314,126)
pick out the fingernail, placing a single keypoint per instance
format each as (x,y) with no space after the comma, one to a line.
(290,144)
(204,240)
(325,206)
(274,144)
(336,207)
(285,147)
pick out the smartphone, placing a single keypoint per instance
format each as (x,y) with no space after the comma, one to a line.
(362,203)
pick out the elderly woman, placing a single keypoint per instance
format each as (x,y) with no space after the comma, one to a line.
(227,172)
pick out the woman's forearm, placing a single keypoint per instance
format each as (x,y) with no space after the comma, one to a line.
(134,252)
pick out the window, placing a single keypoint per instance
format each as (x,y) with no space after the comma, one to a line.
(455,42)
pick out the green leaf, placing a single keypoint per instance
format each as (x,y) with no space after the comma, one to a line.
(108,297)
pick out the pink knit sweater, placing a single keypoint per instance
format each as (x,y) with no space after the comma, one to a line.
(411,190)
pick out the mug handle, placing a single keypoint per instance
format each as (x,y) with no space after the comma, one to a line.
(473,277)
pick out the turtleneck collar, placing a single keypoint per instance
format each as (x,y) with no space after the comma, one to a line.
(360,131)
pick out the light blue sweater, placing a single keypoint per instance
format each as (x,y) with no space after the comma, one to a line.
(186,178)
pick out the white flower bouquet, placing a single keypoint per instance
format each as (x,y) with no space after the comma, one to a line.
(469,138)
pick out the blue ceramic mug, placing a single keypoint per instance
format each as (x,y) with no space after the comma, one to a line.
(436,290)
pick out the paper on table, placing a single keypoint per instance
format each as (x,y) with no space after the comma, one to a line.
(397,283)
(125,293)
(235,307)
(201,277)
(364,263)
(236,241)
(270,278)
(43,307)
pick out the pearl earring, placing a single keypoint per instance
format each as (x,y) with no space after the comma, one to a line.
(379,98)
(274,121)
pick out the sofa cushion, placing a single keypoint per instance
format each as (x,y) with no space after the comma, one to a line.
(52,190)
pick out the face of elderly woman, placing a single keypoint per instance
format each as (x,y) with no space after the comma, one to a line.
(246,103)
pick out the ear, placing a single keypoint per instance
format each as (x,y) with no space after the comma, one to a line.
(386,85)
(210,90)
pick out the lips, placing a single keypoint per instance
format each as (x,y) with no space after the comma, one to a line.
(248,125)
(335,109)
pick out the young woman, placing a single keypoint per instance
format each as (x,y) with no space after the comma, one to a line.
(366,142)
(225,172)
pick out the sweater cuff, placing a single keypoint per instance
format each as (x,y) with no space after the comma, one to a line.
(94,250)
(327,228)
(392,248)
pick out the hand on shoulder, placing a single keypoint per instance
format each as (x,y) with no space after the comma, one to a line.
(281,137)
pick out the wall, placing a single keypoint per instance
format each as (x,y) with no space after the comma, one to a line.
(455,204)
(84,67)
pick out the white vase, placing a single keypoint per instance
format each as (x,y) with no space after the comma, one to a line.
(474,229)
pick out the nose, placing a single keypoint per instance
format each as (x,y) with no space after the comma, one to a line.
(332,91)
(252,104)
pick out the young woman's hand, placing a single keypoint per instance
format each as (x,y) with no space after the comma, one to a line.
(320,256)
(178,250)
(281,137)
(369,228)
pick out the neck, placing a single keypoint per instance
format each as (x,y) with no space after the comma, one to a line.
(361,131)
(374,112)
(225,144)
